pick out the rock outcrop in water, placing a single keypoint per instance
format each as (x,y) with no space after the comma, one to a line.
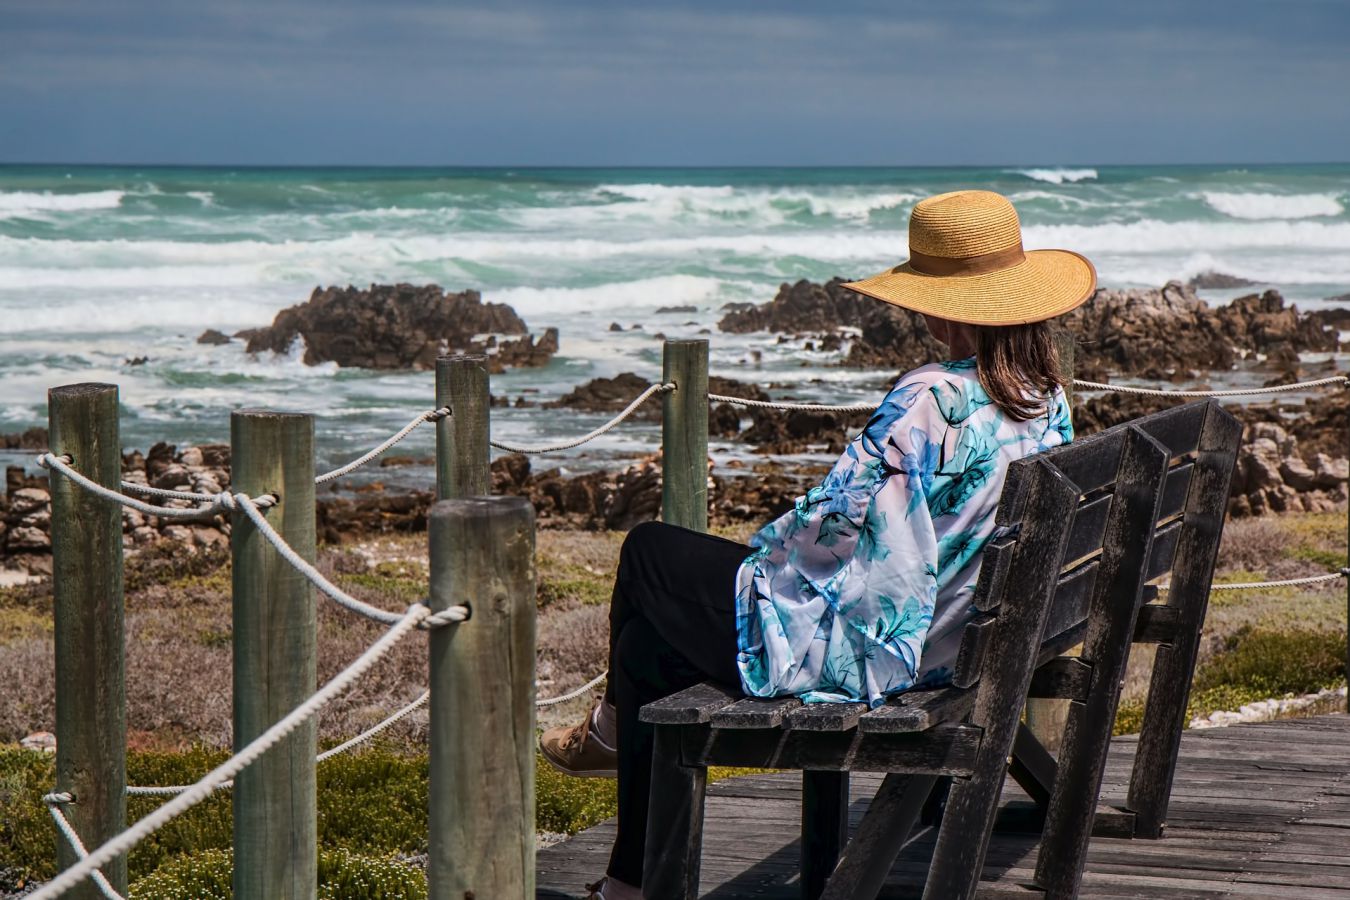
(1161,333)
(402,326)
(1170,332)
(889,337)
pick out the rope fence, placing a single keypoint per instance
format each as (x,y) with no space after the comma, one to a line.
(590,435)
(54,803)
(1339,380)
(226,771)
(419,615)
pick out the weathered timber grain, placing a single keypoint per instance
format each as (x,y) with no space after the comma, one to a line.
(481,734)
(684,435)
(691,706)
(1192,574)
(881,834)
(274,635)
(91,724)
(964,834)
(1112,613)
(919,710)
(674,848)
(462,448)
(755,713)
(824,827)
(1064,678)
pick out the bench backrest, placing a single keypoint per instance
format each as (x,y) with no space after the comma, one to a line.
(1149,505)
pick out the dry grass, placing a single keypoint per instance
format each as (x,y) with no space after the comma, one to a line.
(178,626)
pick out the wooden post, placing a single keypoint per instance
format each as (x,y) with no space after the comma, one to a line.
(1046,718)
(91,720)
(462,438)
(275,834)
(684,435)
(482,700)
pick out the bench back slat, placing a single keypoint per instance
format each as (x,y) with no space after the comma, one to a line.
(1192,573)
(1091,462)
(1113,606)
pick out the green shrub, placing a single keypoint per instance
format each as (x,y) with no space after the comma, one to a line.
(567,805)
(370,802)
(1255,664)
(343,875)
(374,802)
(27,836)
(1272,663)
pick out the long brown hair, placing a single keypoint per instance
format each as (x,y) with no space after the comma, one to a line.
(1019,367)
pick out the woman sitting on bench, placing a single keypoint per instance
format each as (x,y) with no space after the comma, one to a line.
(862,590)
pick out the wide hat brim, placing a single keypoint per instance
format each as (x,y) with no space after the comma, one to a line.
(1047,283)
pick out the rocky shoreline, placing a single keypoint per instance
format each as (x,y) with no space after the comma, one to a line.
(1293,457)
(399,326)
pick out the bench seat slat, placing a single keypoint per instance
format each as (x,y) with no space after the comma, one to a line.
(691,706)
(755,712)
(918,710)
(824,716)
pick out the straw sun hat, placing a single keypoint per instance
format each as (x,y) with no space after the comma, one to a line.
(966,263)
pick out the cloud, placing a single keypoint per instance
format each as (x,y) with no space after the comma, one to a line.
(686,81)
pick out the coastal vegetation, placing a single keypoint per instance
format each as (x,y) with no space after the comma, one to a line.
(372,802)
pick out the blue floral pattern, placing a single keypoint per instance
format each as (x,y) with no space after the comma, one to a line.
(863,588)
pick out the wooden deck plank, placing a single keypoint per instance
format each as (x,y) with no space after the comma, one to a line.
(1259,811)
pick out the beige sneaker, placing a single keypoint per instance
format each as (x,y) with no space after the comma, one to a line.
(575,751)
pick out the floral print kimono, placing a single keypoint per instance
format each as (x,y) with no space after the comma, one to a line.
(862,590)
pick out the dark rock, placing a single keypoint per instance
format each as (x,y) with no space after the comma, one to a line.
(214,338)
(608,395)
(677,309)
(1219,280)
(1171,330)
(136,361)
(890,337)
(32,439)
(402,326)
(615,326)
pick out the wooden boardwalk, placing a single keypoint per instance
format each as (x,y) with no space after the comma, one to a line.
(1257,811)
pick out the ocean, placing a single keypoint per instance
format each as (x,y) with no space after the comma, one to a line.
(111,273)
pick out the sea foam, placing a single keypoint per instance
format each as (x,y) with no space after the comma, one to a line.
(1274,206)
(1057,176)
(24,204)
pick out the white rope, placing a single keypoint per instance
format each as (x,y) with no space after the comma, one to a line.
(54,802)
(136,487)
(1259,585)
(234,765)
(432,415)
(572,695)
(591,435)
(218,502)
(167,790)
(1241,392)
(811,407)
(376,729)
(326,587)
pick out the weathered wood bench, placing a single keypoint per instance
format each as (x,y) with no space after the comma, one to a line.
(1092,528)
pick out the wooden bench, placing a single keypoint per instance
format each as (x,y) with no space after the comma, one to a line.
(1092,528)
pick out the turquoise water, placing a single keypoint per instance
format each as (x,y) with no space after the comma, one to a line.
(99,266)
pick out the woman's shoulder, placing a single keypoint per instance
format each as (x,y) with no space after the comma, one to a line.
(950,375)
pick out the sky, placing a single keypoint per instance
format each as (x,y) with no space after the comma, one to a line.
(685,82)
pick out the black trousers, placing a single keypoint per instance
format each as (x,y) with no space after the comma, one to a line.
(672,624)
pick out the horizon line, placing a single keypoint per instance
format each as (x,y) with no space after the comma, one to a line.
(645,166)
